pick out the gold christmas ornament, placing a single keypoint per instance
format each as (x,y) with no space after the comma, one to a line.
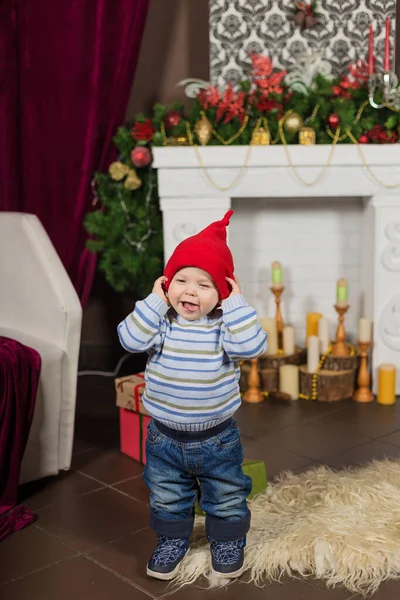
(307,136)
(118,170)
(203,129)
(132,182)
(261,137)
(182,140)
(177,141)
(293,123)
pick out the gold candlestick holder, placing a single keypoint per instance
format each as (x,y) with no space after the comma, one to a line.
(340,348)
(277,290)
(253,393)
(363,393)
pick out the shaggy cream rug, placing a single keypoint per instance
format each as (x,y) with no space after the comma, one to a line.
(343,527)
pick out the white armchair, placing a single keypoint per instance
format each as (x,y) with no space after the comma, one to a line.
(40,308)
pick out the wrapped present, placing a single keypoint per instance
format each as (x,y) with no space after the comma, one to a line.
(254,469)
(129,392)
(133,434)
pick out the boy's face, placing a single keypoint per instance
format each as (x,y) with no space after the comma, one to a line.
(192,293)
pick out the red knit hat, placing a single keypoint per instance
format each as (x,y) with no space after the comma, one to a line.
(206,250)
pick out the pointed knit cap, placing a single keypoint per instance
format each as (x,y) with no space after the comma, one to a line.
(206,250)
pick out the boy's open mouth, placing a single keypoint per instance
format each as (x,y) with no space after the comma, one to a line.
(190,306)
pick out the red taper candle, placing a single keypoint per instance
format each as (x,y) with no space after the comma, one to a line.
(386,61)
(371,51)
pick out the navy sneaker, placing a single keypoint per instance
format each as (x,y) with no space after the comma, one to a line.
(164,563)
(227,557)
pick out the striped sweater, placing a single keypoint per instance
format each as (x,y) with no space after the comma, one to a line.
(192,374)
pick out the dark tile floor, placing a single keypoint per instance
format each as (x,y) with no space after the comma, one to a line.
(91,539)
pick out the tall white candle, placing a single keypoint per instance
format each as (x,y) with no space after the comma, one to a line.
(270,327)
(289,380)
(323,335)
(364,330)
(312,353)
(288,340)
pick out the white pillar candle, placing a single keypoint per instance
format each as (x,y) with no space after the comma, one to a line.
(312,353)
(289,380)
(323,335)
(364,330)
(288,340)
(270,327)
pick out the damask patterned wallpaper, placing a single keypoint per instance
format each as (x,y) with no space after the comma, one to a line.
(238,27)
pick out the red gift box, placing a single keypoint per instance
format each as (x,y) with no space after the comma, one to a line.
(133,434)
(129,392)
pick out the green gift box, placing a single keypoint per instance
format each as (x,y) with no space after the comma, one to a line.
(254,469)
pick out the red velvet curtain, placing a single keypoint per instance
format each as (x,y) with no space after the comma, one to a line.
(66,70)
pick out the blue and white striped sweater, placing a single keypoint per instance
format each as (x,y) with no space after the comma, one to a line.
(192,374)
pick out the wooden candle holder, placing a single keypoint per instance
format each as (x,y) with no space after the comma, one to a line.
(340,348)
(253,393)
(363,393)
(277,290)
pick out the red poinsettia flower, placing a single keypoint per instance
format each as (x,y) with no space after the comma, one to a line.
(209,97)
(340,92)
(379,135)
(231,105)
(143,131)
(359,72)
(261,66)
(267,105)
(264,78)
(357,77)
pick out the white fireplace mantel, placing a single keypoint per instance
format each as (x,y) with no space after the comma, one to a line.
(189,202)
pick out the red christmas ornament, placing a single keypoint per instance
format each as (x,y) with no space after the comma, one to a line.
(333,121)
(141,156)
(363,139)
(172,118)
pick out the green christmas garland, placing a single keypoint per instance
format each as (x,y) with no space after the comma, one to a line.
(126,227)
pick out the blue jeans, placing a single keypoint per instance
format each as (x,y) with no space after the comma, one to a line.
(179,472)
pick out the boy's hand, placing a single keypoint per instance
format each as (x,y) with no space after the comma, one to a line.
(235,285)
(158,288)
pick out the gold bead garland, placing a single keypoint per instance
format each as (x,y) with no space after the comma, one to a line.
(205,172)
(392,108)
(314,112)
(234,137)
(314,383)
(164,134)
(388,186)
(228,142)
(293,168)
(262,123)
